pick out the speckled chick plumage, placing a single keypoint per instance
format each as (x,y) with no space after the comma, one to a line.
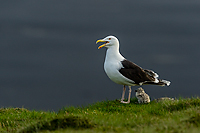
(142,96)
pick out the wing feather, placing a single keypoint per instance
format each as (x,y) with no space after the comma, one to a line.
(135,73)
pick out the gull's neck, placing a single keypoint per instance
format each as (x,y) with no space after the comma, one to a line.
(114,54)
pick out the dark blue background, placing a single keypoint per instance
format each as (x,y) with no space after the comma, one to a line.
(49,59)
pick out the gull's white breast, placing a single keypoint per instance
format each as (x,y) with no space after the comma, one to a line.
(112,65)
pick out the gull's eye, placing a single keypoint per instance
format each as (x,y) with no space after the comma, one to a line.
(109,38)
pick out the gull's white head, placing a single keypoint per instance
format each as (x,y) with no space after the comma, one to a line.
(110,41)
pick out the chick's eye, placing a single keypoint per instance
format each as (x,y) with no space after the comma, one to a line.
(109,38)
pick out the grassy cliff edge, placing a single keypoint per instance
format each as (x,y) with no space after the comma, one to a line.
(182,115)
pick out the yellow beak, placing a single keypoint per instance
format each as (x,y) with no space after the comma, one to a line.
(102,44)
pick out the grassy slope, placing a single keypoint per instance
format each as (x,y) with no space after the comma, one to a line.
(182,115)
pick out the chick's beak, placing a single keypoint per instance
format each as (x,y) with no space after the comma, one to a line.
(102,44)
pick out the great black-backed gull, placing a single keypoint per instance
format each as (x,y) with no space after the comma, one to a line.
(124,72)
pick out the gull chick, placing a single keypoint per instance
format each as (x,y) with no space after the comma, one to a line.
(142,96)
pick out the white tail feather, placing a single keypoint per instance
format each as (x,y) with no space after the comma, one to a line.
(166,82)
(156,80)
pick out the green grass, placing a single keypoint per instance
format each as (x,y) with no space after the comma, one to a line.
(179,116)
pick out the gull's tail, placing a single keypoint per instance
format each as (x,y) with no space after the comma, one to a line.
(156,81)
(166,82)
(160,82)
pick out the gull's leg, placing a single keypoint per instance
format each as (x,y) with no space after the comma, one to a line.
(129,96)
(123,93)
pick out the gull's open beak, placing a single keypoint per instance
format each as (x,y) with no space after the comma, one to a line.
(102,44)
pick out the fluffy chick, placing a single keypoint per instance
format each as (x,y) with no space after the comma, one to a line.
(142,96)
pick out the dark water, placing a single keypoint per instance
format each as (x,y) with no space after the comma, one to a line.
(48,56)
